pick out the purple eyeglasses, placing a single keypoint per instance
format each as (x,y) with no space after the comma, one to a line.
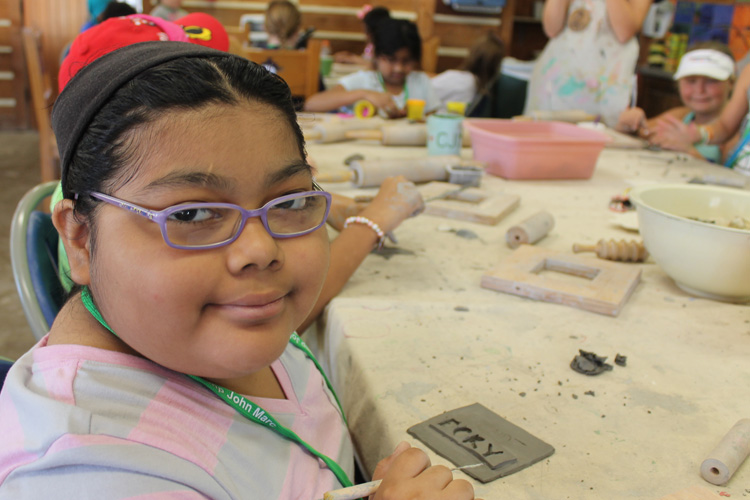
(200,226)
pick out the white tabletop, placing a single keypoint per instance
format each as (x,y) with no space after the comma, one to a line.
(413,335)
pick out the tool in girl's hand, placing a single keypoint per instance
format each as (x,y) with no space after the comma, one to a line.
(366,489)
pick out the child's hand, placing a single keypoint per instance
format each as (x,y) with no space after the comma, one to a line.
(407,474)
(672,133)
(384,101)
(397,199)
(632,121)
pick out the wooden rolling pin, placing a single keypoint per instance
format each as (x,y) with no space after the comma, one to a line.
(571,116)
(372,173)
(335,131)
(627,251)
(413,134)
(530,230)
(728,455)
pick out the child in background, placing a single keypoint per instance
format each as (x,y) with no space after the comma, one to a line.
(395,79)
(704,80)
(729,123)
(370,17)
(169,10)
(475,73)
(195,251)
(589,62)
(282,22)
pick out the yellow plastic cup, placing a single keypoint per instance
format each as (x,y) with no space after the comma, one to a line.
(456,107)
(415,109)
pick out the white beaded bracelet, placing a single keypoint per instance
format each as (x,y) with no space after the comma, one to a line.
(358,219)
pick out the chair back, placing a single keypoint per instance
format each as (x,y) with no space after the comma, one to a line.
(40,84)
(300,69)
(430,48)
(33,255)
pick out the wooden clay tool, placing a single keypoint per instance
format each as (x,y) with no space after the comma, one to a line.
(530,230)
(570,115)
(604,288)
(467,203)
(626,251)
(402,134)
(728,455)
(335,131)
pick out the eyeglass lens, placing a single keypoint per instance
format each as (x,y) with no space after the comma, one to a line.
(206,224)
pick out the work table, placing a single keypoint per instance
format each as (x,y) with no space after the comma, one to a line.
(413,335)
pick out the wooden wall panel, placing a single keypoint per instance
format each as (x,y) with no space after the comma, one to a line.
(14,110)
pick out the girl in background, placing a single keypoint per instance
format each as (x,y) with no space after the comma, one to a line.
(173,369)
(704,80)
(370,17)
(589,62)
(475,73)
(282,24)
(394,80)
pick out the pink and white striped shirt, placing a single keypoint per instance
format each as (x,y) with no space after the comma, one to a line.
(82,422)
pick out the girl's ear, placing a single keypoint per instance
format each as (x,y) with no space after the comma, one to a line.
(76,237)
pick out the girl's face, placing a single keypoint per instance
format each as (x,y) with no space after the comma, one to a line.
(703,94)
(395,68)
(221,313)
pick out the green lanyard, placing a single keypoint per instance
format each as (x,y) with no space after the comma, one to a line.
(382,83)
(244,406)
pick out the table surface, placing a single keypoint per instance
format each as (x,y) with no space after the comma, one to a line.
(413,335)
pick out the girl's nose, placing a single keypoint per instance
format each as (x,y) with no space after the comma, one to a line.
(254,247)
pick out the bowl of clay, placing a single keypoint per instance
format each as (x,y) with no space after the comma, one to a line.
(699,235)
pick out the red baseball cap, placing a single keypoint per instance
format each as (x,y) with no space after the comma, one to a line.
(117,32)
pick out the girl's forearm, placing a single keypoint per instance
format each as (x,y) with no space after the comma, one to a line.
(626,17)
(331,100)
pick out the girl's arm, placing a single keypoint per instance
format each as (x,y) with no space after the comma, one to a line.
(396,200)
(337,97)
(553,16)
(626,17)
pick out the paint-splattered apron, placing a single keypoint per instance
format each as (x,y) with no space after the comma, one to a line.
(585,67)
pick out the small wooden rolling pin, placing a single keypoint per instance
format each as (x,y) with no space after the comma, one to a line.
(335,131)
(570,116)
(530,230)
(626,251)
(402,134)
(728,455)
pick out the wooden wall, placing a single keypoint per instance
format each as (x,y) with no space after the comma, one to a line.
(14,111)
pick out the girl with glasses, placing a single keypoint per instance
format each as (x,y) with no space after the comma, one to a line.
(194,234)
(394,79)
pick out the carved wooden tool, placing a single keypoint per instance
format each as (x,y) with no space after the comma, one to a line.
(413,134)
(626,251)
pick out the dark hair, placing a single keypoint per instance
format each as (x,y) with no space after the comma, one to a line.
(115,9)
(484,59)
(392,35)
(373,17)
(187,83)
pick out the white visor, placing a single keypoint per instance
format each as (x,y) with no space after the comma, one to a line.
(706,62)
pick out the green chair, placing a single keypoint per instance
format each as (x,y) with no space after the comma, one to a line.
(33,255)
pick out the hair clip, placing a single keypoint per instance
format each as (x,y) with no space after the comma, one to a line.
(363,11)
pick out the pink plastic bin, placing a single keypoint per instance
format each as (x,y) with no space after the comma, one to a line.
(535,150)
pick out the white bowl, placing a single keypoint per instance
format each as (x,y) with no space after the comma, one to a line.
(704,259)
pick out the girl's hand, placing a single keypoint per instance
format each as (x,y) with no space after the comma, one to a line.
(632,121)
(672,133)
(407,474)
(384,101)
(397,199)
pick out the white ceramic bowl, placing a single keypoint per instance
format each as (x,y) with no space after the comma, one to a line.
(704,259)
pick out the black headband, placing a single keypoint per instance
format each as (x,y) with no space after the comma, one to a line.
(92,87)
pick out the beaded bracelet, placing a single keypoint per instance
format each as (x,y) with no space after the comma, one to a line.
(706,133)
(358,219)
